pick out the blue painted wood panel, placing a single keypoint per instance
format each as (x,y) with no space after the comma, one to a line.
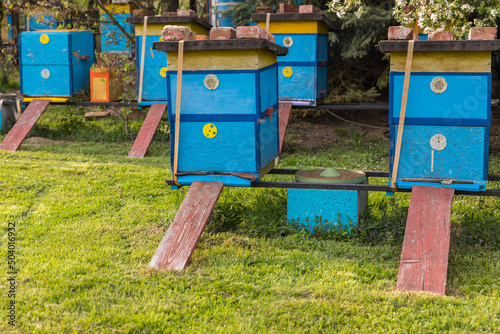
(82,45)
(112,38)
(58,83)
(233,149)
(152,57)
(237,93)
(268,87)
(300,86)
(322,81)
(228,180)
(268,139)
(312,207)
(306,48)
(466,101)
(323,48)
(42,22)
(56,52)
(465,156)
(63,47)
(154,85)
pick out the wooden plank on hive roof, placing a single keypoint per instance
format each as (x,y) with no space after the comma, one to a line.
(181,238)
(24,124)
(424,259)
(148,129)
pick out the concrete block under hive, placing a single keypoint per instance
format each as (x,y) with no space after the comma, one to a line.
(154,87)
(55,64)
(229,109)
(303,72)
(448,114)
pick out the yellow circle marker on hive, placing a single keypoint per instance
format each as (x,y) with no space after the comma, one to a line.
(163,71)
(44,39)
(210,131)
(287,72)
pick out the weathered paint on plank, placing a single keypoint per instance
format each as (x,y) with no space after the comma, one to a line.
(441,61)
(424,259)
(295,27)
(284,115)
(223,60)
(179,242)
(24,124)
(148,129)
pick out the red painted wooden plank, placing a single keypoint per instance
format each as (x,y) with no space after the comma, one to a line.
(284,115)
(148,129)
(181,238)
(24,124)
(424,259)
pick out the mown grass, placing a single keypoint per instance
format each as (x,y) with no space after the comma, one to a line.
(88,220)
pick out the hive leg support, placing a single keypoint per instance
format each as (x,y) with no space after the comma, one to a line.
(181,238)
(24,124)
(284,115)
(148,129)
(424,259)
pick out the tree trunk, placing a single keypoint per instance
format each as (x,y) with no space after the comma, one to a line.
(171,5)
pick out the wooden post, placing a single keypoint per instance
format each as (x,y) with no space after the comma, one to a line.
(180,62)
(402,114)
(143,55)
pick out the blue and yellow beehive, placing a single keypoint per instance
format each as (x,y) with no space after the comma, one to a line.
(154,86)
(229,109)
(112,38)
(303,72)
(448,115)
(55,64)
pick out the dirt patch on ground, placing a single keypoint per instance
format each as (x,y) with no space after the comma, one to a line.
(40,141)
(314,133)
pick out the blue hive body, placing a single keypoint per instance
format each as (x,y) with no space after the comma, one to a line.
(154,85)
(229,117)
(302,73)
(112,38)
(448,114)
(55,63)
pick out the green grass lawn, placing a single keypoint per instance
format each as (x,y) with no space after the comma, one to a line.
(88,221)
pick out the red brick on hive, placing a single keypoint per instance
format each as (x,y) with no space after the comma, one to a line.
(400,33)
(483,33)
(441,36)
(217,33)
(177,33)
(308,9)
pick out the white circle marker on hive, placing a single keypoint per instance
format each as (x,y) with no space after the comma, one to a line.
(439,85)
(211,82)
(438,142)
(45,73)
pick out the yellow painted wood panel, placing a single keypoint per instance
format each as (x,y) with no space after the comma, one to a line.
(115,8)
(100,89)
(441,61)
(295,27)
(212,60)
(156,28)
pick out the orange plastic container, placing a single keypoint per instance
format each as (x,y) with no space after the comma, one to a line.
(104,85)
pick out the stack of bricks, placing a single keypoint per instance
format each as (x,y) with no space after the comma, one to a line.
(476,33)
(286,8)
(177,33)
